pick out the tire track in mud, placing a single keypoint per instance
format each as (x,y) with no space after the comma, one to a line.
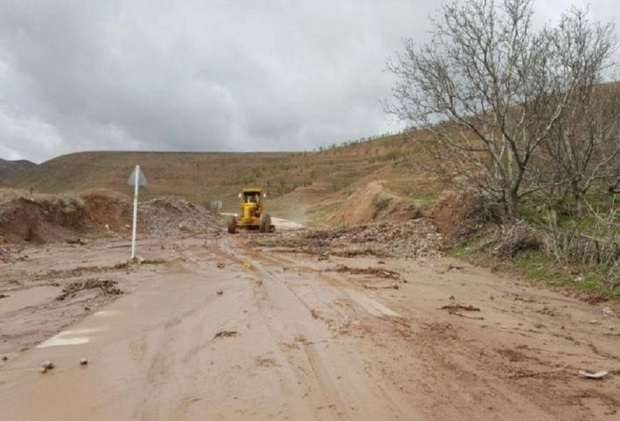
(291,335)
(168,348)
(444,381)
(317,375)
(347,290)
(339,315)
(159,368)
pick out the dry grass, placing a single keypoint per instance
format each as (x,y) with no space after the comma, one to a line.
(302,186)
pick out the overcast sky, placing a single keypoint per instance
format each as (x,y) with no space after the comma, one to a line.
(210,75)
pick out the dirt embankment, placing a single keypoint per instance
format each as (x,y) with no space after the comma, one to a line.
(94,213)
(370,203)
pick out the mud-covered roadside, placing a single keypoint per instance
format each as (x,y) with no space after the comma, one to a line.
(484,342)
(62,258)
(47,289)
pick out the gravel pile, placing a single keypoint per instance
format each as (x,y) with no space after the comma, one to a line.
(415,238)
(171,215)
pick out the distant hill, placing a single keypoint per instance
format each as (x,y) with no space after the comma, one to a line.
(322,187)
(9,170)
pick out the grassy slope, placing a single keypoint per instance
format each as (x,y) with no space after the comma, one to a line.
(304,186)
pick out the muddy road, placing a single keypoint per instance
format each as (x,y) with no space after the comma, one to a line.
(216,328)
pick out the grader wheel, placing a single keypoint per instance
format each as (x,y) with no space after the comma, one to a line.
(232,225)
(265,223)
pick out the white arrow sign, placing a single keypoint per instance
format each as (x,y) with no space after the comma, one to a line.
(136,179)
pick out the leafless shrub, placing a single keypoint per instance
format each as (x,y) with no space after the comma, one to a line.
(599,249)
(508,240)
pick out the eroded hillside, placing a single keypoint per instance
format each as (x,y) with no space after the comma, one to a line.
(352,183)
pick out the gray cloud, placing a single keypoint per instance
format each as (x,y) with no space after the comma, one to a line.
(212,75)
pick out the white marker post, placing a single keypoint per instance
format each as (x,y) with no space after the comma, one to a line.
(136,179)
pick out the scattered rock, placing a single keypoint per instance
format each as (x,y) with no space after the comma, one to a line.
(76,241)
(456,307)
(221,265)
(265,362)
(220,292)
(46,366)
(122,265)
(5,358)
(225,334)
(467,316)
(161,217)
(83,361)
(597,375)
(417,238)
(107,286)
(378,272)
(4,296)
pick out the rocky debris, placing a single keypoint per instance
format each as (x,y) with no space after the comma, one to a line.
(225,334)
(378,272)
(221,265)
(83,361)
(171,215)
(46,366)
(107,286)
(596,376)
(417,238)
(375,287)
(456,307)
(457,310)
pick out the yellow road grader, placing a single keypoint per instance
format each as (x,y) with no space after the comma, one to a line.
(252,214)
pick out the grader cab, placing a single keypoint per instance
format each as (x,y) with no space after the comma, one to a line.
(252,216)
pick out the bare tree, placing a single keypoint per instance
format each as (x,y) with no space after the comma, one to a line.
(489,91)
(584,146)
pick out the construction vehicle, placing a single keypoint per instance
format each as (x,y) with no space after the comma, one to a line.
(252,214)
